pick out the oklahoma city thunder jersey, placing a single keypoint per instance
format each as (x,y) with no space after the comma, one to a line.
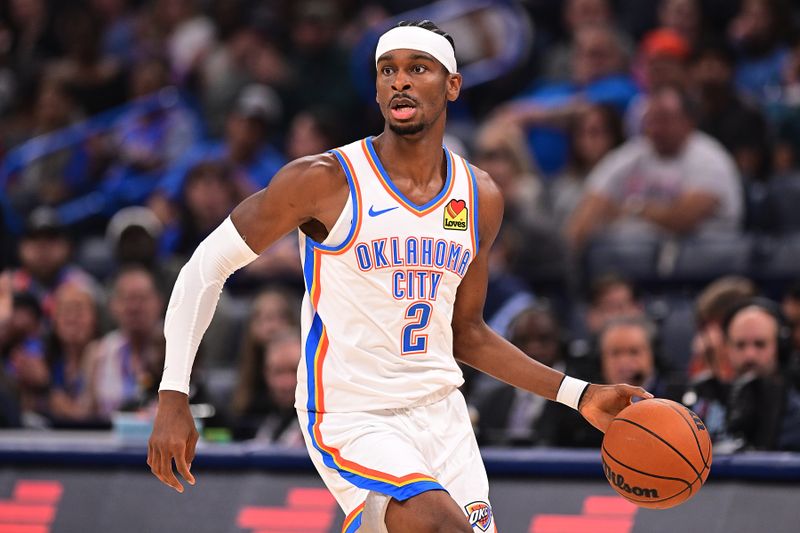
(380,290)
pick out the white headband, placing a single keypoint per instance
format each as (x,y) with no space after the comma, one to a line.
(416,38)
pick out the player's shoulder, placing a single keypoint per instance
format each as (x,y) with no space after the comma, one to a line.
(320,171)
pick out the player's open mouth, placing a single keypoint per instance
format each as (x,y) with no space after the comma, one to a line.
(402,109)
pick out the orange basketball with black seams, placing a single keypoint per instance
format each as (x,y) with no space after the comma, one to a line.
(656,453)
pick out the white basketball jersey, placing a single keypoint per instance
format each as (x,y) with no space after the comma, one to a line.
(380,290)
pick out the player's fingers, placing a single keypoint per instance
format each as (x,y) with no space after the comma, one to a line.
(190,448)
(183,468)
(631,391)
(168,476)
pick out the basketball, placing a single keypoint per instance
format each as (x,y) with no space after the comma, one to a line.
(656,453)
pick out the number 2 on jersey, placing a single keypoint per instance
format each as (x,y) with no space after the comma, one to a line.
(414,342)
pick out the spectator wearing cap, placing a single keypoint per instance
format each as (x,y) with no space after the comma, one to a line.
(44,252)
(722,113)
(133,235)
(662,61)
(673,181)
(245,148)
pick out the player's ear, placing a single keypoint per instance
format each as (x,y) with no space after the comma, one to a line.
(453,86)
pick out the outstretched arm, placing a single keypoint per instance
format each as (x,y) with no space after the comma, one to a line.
(475,344)
(308,193)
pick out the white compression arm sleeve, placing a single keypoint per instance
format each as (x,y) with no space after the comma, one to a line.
(194,299)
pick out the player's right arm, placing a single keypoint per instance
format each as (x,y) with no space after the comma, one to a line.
(308,193)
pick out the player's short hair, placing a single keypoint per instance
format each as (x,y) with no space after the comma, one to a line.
(427,25)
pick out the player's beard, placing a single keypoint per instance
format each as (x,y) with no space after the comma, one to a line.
(407,129)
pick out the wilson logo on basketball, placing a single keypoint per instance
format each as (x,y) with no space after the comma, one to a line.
(480,514)
(455,215)
(697,422)
(618,480)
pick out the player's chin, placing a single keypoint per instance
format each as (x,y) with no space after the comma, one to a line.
(406,128)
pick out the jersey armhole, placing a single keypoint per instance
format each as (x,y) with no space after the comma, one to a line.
(335,241)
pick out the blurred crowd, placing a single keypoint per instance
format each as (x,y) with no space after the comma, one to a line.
(648,152)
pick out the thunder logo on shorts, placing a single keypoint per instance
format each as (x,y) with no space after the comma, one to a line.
(479,515)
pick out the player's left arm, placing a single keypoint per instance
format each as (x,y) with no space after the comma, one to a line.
(476,344)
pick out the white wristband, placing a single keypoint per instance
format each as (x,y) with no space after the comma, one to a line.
(570,391)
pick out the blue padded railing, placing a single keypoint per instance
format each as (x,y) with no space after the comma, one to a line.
(26,153)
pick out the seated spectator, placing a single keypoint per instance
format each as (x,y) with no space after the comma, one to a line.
(505,156)
(709,350)
(9,400)
(759,33)
(592,134)
(273,311)
(23,359)
(126,364)
(598,76)
(611,297)
(274,419)
(723,114)
(662,61)
(576,14)
(75,326)
(314,131)
(44,254)
(790,305)
(245,148)
(209,194)
(759,409)
(674,181)
(509,416)
(685,17)
(627,355)
(133,235)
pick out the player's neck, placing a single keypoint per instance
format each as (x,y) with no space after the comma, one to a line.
(419,158)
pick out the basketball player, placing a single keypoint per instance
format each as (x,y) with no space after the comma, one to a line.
(395,233)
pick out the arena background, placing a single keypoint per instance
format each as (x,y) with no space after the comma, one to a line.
(130,128)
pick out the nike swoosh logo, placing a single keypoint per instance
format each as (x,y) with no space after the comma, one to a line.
(374,213)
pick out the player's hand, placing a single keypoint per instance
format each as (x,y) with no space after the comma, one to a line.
(174,437)
(601,403)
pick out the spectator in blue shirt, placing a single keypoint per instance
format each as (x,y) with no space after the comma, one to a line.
(245,147)
(598,76)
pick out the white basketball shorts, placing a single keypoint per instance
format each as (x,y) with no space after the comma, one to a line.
(366,458)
